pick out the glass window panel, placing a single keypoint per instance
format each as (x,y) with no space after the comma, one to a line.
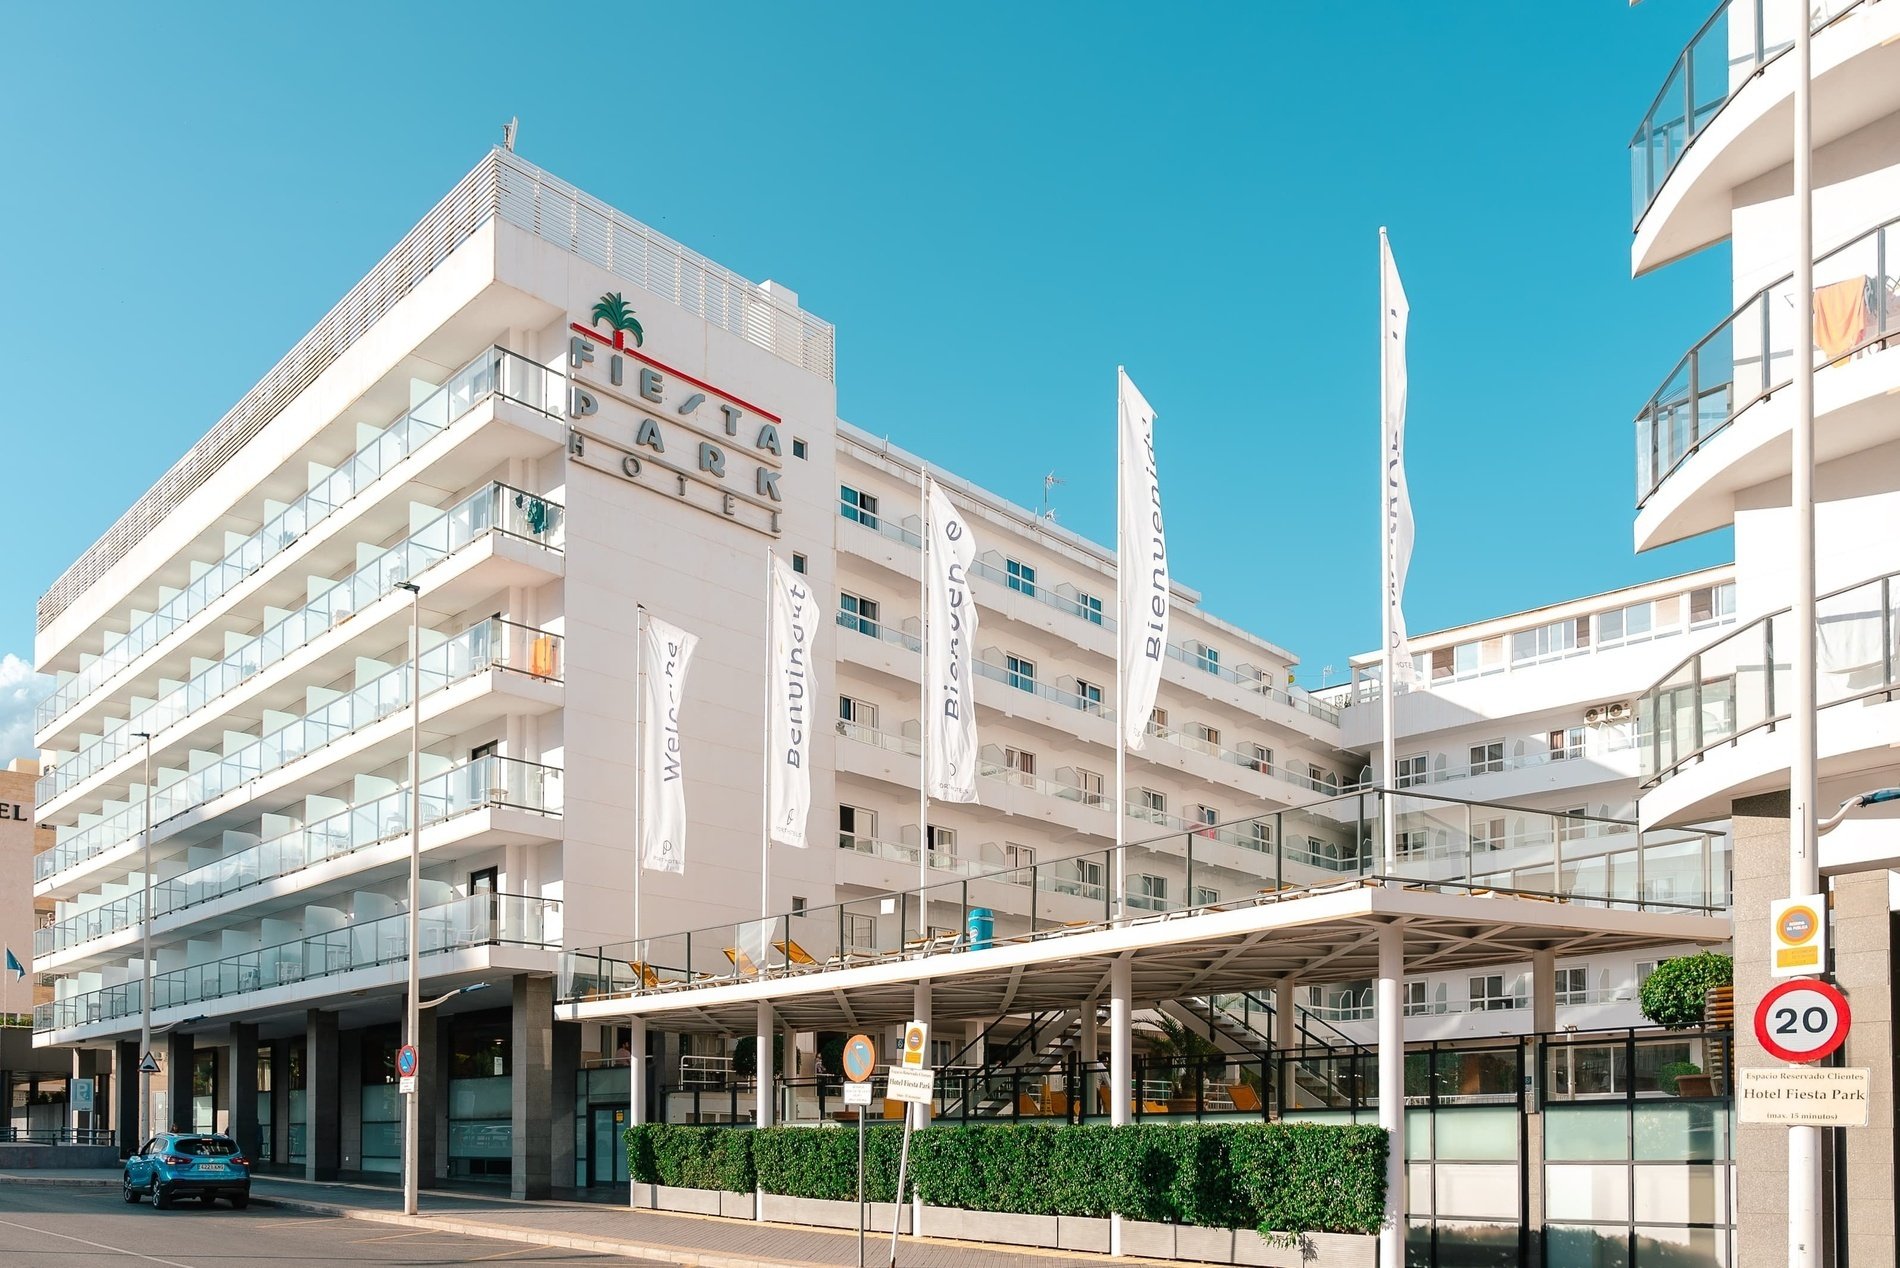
(1418,1188)
(1600,1192)
(1477,1191)
(1693,1131)
(1691,1194)
(1418,1133)
(1680,1248)
(1478,1134)
(481,1098)
(1475,1245)
(1584,1132)
(1585,1247)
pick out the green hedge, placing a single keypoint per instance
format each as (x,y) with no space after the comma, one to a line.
(1279,1177)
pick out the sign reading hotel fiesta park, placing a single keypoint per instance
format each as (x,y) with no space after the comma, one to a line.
(635,417)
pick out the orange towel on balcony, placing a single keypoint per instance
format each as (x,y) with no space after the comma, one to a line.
(541,657)
(1840,317)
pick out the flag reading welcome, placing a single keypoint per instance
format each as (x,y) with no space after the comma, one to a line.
(668,650)
(950,642)
(1142,564)
(788,765)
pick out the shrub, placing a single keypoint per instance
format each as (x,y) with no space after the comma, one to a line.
(745,1055)
(1309,1177)
(691,1157)
(1674,995)
(822,1162)
(1674,1070)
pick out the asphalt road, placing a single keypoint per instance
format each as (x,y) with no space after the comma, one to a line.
(54,1226)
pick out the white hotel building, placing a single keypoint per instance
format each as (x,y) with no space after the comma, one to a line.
(543,415)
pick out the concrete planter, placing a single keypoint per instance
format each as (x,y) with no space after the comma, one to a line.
(1080,1232)
(990,1226)
(661,1197)
(826,1213)
(1326,1250)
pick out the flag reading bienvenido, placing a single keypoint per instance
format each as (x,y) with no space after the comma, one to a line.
(1398,498)
(668,651)
(1142,566)
(788,771)
(948,653)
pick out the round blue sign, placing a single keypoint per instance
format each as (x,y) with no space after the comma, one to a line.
(860,1058)
(406,1061)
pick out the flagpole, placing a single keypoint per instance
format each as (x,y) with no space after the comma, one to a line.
(1388,692)
(1118,895)
(765,775)
(639,774)
(923,711)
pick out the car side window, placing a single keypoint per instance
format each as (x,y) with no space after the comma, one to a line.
(149,1148)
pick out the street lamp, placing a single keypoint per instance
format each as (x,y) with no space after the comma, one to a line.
(145,990)
(1852,804)
(412,1029)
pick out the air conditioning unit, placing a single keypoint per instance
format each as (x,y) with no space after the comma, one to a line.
(1618,712)
(1594,716)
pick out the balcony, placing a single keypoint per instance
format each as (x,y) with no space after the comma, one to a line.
(495,374)
(1711,721)
(1723,115)
(481,784)
(497,508)
(1720,422)
(480,920)
(493,644)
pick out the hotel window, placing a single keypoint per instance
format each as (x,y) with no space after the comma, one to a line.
(1566,745)
(1209,658)
(1572,985)
(855,612)
(1152,799)
(1207,817)
(798,905)
(1626,625)
(1571,824)
(1411,843)
(1089,608)
(1090,784)
(798,562)
(857,828)
(860,934)
(1205,734)
(1488,994)
(1021,576)
(1018,856)
(1088,877)
(1325,779)
(1022,673)
(1487,759)
(943,846)
(798,447)
(1417,1001)
(1711,603)
(1487,834)
(1022,761)
(1259,756)
(1158,720)
(1202,896)
(855,712)
(1643,969)
(1557,639)
(1260,834)
(1411,771)
(855,504)
(1090,696)
(1148,892)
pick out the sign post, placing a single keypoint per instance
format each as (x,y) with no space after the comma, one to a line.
(860,1059)
(913,1083)
(406,1070)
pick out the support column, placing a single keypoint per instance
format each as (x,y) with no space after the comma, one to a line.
(280,1102)
(1286,1014)
(1121,1060)
(322,1139)
(1089,1098)
(564,1087)
(178,1053)
(533,1084)
(766,1068)
(125,1096)
(639,1069)
(243,1064)
(429,1085)
(349,1102)
(1543,992)
(1391,1014)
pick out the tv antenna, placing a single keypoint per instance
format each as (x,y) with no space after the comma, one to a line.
(510,131)
(1049,481)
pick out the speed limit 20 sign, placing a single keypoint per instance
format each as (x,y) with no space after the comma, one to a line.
(1802,1021)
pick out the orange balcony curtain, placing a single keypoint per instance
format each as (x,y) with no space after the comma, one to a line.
(1840,317)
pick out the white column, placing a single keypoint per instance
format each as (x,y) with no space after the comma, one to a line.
(637,1070)
(1120,1034)
(1391,1013)
(767,1067)
(1286,1016)
(1543,992)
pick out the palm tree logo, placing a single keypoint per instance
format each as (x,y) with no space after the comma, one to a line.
(613,310)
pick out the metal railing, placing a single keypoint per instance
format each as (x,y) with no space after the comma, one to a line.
(475,921)
(496,372)
(11,1135)
(497,507)
(1738,39)
(493,644)
(1492,849)
(1742,682)
(477,785)
(1750,355)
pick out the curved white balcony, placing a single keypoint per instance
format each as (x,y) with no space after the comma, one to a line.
(1724,114)
(497,508)
(1713,723)
(1720,422)
(496,375)
(491,645)
(486,783)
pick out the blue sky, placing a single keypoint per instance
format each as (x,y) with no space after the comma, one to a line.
(995,204)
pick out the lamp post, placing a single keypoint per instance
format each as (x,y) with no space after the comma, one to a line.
(1854,803)
(412,1022)
(145,954)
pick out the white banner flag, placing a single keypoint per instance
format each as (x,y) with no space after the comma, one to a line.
(949,653)
(667,649)
(1398,498)
(794,625)
(1142,566)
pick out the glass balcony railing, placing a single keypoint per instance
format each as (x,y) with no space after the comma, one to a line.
(476,785)
(490,644)
(876,629)
(1091,611)
(1739,38)
(1744,681)
(1751,354)
(1440,844)
(480,920)
(497,507)
(496,372)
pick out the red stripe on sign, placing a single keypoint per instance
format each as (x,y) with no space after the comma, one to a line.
(594,335)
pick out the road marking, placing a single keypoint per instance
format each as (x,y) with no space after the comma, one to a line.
(117,1250)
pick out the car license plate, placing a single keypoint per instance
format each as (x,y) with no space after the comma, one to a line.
(210,1166)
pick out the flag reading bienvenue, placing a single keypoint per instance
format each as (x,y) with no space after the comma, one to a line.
(1142,565)
(948,653)
(1398,498)
(668,649)
(793,627)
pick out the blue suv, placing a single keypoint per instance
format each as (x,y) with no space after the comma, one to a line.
(180,1165)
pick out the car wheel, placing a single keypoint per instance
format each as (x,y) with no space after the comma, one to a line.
(240,1201)
(160,1199)
(132,1195)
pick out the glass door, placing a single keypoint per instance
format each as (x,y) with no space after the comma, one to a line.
(609,1153)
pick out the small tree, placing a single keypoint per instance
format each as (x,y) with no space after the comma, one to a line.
(1675,994)
(745,1056)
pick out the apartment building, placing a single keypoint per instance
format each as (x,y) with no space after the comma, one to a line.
(1713,161)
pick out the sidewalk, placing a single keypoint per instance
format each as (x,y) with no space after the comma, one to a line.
(697,1241)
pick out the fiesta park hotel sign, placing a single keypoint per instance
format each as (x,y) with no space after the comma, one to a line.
(640,419)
